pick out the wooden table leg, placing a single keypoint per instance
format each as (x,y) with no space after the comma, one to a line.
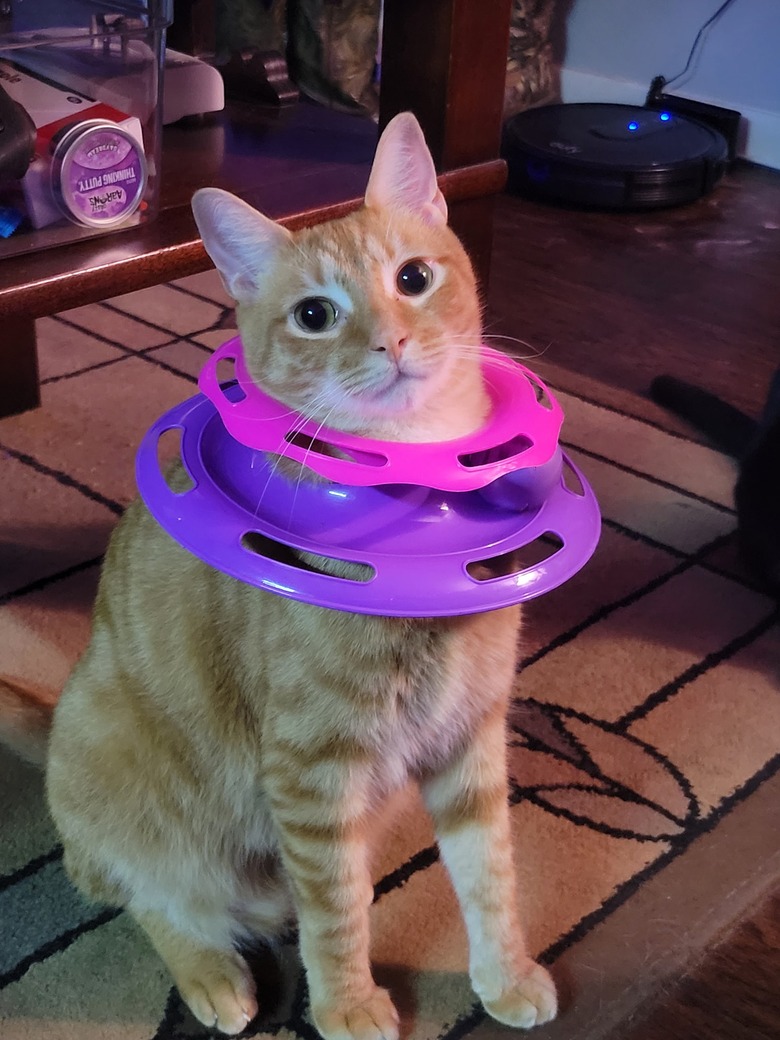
(445,60)
(19,387)
(472,222)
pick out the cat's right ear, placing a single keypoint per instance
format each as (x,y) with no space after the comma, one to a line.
(242,242)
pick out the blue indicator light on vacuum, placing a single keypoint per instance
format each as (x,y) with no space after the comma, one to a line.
(633,126)
(665,117)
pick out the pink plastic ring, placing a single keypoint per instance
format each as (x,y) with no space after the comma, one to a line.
(521,432)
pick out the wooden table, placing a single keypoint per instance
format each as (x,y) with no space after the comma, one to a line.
(443,59)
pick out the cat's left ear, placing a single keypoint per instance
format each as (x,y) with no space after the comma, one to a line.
(403,175)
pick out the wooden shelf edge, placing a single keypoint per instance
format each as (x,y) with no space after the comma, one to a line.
(169,248)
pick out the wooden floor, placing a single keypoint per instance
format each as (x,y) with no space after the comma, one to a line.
(610,301)
(622,297)
(733,995)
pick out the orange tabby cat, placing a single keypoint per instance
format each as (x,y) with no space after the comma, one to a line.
(218,753)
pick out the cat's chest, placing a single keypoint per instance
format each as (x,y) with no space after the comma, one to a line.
(419,729)
(390,698)
(429,709)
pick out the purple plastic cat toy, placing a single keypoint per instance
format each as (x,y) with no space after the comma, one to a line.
(422,518)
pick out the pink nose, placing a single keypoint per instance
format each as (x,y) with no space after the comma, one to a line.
(397,348)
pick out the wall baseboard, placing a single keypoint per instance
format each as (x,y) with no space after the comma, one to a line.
(759,140)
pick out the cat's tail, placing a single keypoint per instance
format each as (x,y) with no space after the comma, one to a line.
(25,722)
(727,427)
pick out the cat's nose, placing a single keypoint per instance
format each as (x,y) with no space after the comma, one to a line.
(395,349)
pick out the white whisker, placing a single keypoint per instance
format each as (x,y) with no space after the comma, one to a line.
(534,351)
(285,443)
(308,451)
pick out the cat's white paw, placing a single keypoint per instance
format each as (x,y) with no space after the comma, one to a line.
(531,1001)
(221,993)
(372,1019)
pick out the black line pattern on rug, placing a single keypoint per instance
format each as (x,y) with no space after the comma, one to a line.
(543,729)
(297,1020)
(215,325)
(99,336)
(49,579)
(63,478)
(470,1019)
(583,760)
(173,1016)
(701,561)
(228,310)
(57,945)
(127,353)
(649,478)
(397,878)
(606,609)
(646,539)
(31,867)
(688,439)
(130,317)
(632,885)
(745,580)
(65,376)
(143,355)
(186,290)
(716,657)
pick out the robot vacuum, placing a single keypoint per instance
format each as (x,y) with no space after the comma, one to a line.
(612,156)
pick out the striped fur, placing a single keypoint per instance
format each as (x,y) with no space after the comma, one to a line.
(219,753)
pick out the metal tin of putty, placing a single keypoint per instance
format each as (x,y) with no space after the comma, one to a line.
(98,173)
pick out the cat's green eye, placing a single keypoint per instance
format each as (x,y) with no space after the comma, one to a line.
(316,314)
(414,278)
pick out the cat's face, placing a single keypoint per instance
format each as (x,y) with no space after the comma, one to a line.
(363,319)
(369,323)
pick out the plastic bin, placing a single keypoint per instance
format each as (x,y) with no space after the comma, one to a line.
(80,111)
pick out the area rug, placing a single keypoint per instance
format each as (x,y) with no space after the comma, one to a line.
(644,734)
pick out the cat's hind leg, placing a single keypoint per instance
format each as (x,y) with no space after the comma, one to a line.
(468,802)
(214,981)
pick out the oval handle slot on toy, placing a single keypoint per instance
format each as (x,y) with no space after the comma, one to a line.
(268,548)
(227,376)
(511,449)
(572,479)
(169,452)
(542,393)
(318,446)
(525,559)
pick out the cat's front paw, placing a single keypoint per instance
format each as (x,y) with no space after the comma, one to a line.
(531,1001)
(220,992)
(371,1019)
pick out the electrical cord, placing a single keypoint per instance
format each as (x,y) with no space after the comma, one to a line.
(660,82)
